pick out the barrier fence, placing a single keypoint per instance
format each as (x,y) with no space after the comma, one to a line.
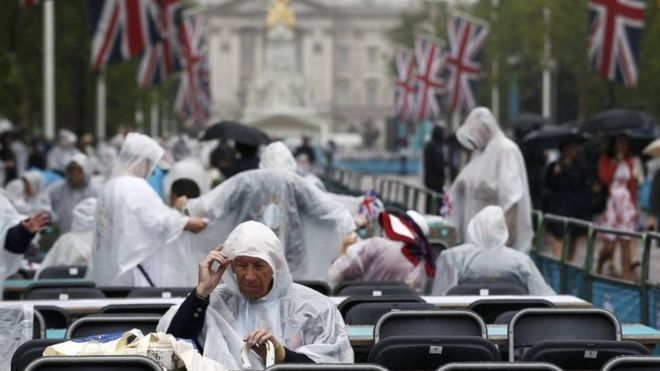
(631,302)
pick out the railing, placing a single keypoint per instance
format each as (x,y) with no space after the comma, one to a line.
(631,301)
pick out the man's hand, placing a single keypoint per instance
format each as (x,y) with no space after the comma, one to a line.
(257,341)
(181,203)
(195,225)
(347,241)
(208,278)
(360,221)
(37,222)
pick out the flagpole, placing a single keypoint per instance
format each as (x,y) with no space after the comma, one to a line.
(495,88)
(154,114)
(100,105)
(49,69)
(547,61)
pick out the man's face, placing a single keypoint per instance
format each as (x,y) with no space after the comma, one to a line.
(254,276)
(75,176)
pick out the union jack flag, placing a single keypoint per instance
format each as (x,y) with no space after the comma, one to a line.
(29,2)
(466,41)
(193,100)
(430,63)
(164,58)
(614,34)
(122,29)
(404,93)
(370,206)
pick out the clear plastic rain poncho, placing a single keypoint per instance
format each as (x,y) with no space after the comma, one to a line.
(75,246)
(62,198)
(27,193)
(60,155)
(300,318)
(134,226)
(307,220)
(486,255)
(16,327)
(9,217)
(494,176)
(186,165)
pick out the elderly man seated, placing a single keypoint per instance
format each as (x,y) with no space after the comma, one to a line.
(485,255)
(257,302)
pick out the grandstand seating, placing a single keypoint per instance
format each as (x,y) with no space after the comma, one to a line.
(488,286)
(63,272)
(491,309)
(633,364)
(94,363)
(351,301)
(319,286)
(111,323)
(160,292)
(373,288)
(500,366)
(29,351)
(369,313)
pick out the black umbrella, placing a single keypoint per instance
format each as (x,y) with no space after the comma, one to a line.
(620,121)
(238,132)
(554,136)
(528,122)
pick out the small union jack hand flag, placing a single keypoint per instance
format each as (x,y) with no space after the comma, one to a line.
(370,206)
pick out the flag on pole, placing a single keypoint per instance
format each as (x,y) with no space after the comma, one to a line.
(615,28)
(122,29)
(370,206)
(29,2)
(404,93)
(164,58)
(466,41)
(193,100)
(431,60)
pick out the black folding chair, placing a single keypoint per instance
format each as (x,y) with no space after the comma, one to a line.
(429,323)
(29,351)
(100,324)
(491,309)
(350,302)
(325,367)
(583,339)
(54,317)
(318,286)
(94,363)
(500,366)
(63,272)
(488,286)
(38,326)
(160,292)
(633,364)
(373,288)
(64,293)
(369,313)
(157,309)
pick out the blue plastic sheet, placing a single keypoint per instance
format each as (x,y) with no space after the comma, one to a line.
(575,284)
(619,298)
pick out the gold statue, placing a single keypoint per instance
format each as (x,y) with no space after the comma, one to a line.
(281,13)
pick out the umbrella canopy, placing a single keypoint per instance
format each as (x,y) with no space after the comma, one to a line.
(554,136)
(238,132)
(527,122)
(653,149)
(620,121)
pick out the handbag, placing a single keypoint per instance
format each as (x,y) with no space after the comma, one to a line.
(245,355)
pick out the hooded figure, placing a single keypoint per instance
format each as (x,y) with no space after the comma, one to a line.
(67,193)
(134,228)
(304,322)
(26,193)
(60,155)
(186,165)
(485,255)
(403,254)
(495,175)
(307,220)
(75,246)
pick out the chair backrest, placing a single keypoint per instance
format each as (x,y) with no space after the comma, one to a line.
(29,351)
(341,285)
(430,352)
(369,313)
(373,289)
(159,309)
(350,302)
(116,291)
(488,286)
(531,326)
(326,367)
(160,292)
(64,293)
(94,363)
(429,323)
(633,364)
(99,324)
(503,366)
(63,272)
(319,286)
(38,326)
(54,317)
(582,354)
(490,309)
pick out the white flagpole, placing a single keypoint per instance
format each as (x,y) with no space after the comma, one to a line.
(495,89)
(547,61)
(100,106)
(49,69)
(154,114)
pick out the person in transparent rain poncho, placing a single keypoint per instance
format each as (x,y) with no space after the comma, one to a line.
(257,301)
(26,193)
(60,155)
(186,166)
(75,246)
(402,254)
(485,255)
(132,241)
(495,175)
(309,222)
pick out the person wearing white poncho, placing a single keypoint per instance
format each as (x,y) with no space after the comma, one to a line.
(495,175)
(135,229)
(257,301)
(485,255)
(75,246)
(309,222)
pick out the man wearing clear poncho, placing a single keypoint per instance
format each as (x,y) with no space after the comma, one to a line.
(133,241)
(257,302)
(485,255)
(308,221)
(495,175)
